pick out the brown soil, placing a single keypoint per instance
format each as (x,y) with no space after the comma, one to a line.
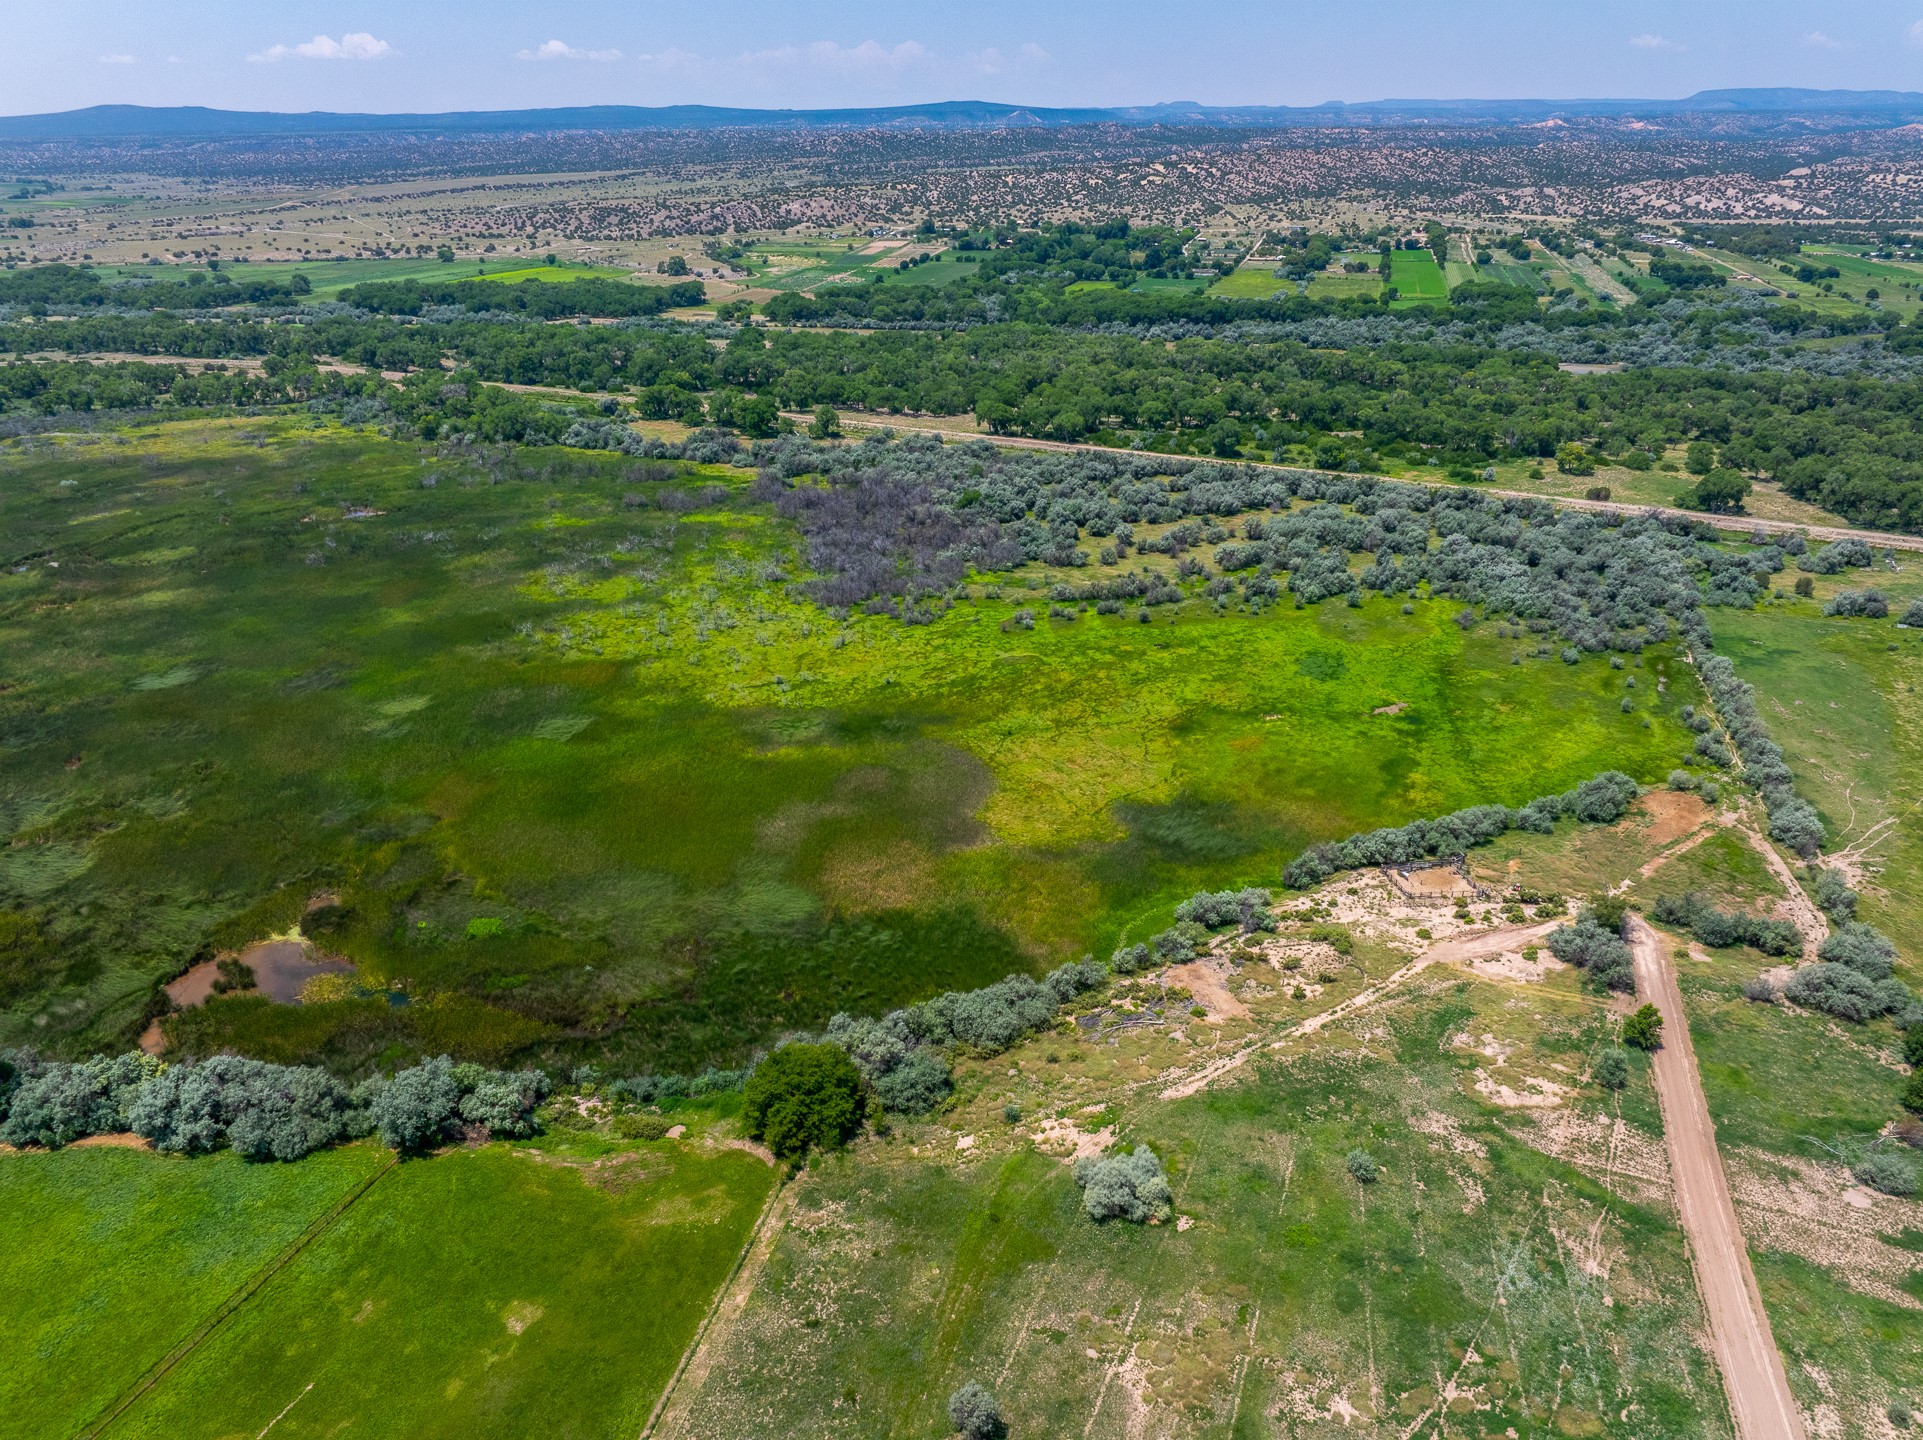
(1672,815)
(1435,882)
(1205,981)
(1740,1335)
(124,1141)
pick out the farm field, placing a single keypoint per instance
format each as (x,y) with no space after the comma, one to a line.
(490,1291)
(302,698)
(480,1288)
(111,1257)
(1251,282)
(1324,286)
(331,276)
(1416,276)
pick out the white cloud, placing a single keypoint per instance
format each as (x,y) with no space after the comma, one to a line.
(1817,40)
(116,59)
(673,58)
(1916,34)
(561,50)
(993,62)
(1653,42)
(869,57)
(356,45)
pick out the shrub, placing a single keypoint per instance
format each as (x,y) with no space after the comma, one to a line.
(1644,1029)
(1913,1093)
(1834,559)
(917,1085)
(1612,1068)
(1128,1187)
(1362,1167)
(1864,949)
(1855,604)
(804,1097)
(1248,909)
(642,1126)
(503,1102)
(418,1107)
(265,1112)
(1717,929)
(1913,616)
(56,1104)
(975,1414)
(1595,949)
(1759,989)
(1833,893)
(1841,991)
(1888,1173)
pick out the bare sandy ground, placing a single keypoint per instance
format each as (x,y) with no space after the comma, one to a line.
(1740,1335)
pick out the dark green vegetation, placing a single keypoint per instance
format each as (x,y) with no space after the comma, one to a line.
(573,777)
(802,1098)
(109,1258)
(1462,402)
(481,1292)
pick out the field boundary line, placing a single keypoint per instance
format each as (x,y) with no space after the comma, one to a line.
(778,1201)
(248,1289)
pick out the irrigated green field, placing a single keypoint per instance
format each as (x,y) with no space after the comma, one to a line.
(1251,282)
(551,1286)
(1416,276)
(482,1292)
(109,1258)
(254,665)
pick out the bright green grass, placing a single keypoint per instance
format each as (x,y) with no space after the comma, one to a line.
(327,276)
(1869,1351)
(1341,287)
(1416,276)
(109,1258)
(556,273)
(1251,282)
(1148,284)
(944,269)
(703,810)
(482,1292)
(904,1274)
(1837,699)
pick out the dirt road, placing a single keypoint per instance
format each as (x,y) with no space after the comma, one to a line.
(1736,524)
(1753,1375)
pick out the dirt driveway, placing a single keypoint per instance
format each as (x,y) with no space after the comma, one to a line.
(1739,1330)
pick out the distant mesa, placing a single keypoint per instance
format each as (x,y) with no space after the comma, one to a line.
(126,122)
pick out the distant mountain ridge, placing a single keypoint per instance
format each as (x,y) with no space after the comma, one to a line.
(138,122)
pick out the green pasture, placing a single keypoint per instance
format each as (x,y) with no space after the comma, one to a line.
(944,269)
(1324,286)
(1836,694)
(557,273)
(273,663)
(328,276)
(1251,282)
(110,1258)
(1149,284)
(1416,276)
(1287,1295)
(481,1292)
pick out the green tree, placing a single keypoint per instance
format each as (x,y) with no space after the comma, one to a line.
(675,265)
(1612,1068)
(826,425)
(1572,459)
(1700,457)
(1722,489)
(803,1097)
(1644,1029)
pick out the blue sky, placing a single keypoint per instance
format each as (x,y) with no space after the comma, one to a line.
(483,54)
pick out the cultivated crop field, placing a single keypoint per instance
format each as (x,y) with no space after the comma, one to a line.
(686,808)
(1416,276)
(552,1285)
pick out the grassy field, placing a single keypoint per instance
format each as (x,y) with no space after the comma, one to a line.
(1416,277)
(109,1258)
(1340,287)
(1480,1284)
(331,276)
(483,1292)
(703,810)
(1251,282)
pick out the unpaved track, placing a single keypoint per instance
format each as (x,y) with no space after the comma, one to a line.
(1734,524)
(1465,947)
(1759,1399)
